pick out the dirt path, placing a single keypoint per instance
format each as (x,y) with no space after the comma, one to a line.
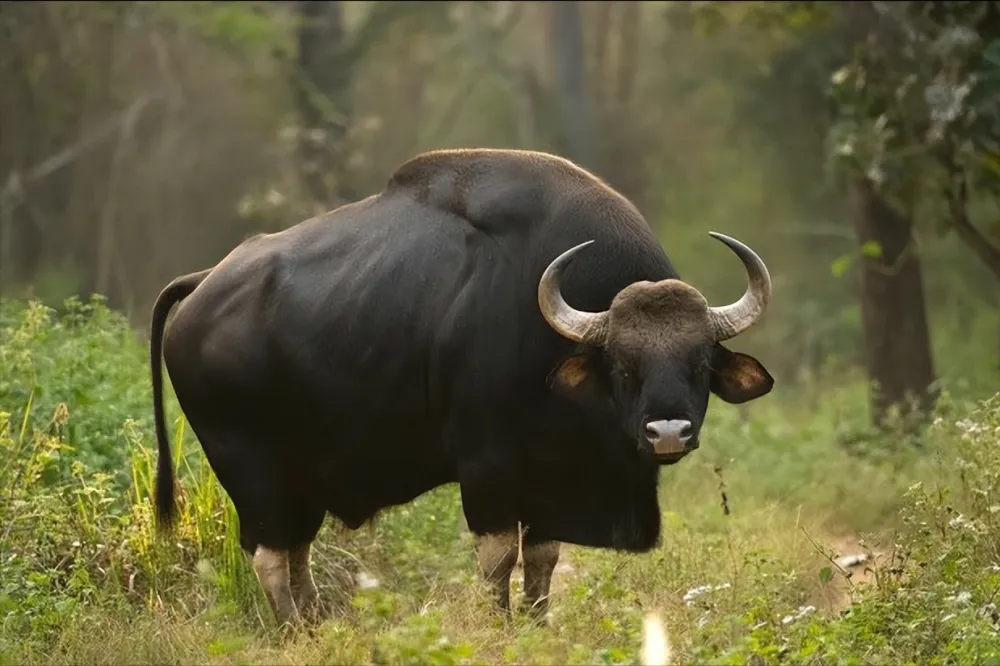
(852,557)
(848,554)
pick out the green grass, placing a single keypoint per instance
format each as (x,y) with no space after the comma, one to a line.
(83,579)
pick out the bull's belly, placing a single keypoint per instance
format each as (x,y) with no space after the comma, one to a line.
(632,529)
(356,479)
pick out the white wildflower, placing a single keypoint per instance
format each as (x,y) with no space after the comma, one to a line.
(961,522)
(968,426)
(366,581)
(798,615)
(695,592)
(961,598)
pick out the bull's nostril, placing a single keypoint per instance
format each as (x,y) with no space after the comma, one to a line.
(669,429)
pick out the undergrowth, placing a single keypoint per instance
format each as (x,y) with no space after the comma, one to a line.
(747,570)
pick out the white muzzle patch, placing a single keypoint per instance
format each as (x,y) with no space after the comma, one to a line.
(668,437)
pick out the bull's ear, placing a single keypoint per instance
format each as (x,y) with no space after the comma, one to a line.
(737,377)
(577,378)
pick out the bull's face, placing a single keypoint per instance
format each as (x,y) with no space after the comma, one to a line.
(651,361)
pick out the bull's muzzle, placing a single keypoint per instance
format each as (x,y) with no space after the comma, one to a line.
(669,438)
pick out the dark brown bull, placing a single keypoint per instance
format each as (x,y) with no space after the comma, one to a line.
(425,336)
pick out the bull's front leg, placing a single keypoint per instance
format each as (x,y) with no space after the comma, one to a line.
(497,555)
(271,567)
(540,559)
(303,585)
(492,518)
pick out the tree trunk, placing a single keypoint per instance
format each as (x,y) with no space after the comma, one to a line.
(893,310)
(599,67)
(566,38)
(624,165)
(324,78)
(628,53)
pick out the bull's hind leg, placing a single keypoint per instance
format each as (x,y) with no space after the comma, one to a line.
(497,555)
(540,559)
(276,519)
(303,586)
(273,572)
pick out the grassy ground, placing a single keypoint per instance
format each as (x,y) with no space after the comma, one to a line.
(746,572)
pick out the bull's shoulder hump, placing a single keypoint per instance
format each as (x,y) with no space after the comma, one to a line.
(491,189)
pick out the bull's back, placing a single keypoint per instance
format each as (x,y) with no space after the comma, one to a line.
(353,322)
(428,284)
(375,340)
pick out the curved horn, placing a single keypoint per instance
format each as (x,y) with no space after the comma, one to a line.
(576,325)
(728,321)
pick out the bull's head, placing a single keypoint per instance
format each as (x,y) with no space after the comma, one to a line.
(655,355)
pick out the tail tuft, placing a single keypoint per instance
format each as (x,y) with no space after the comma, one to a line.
(166,509)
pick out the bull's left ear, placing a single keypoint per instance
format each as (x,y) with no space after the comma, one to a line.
(737,377)
(576,378)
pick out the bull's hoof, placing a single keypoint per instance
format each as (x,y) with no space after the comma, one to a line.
(289,629)
(316,612)
(537,613)
(500,613)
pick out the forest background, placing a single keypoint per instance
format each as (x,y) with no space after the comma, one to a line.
(854,145)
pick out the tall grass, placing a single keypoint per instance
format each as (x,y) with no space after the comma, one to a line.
(746,572)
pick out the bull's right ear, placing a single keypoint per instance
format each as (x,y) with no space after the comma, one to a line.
(577,378)
(737,377)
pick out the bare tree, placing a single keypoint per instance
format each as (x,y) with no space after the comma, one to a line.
(324,104)
(566,37)
(893,307)
(893,312)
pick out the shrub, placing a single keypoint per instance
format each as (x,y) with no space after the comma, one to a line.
(933,598)
(85,357)
(745,577)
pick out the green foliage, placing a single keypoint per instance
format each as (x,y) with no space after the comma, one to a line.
(188,117)
(247,29)
(59,359)
(933,596)
(84,576)
(871,249)
(919,104)
(731,136)
(73,540)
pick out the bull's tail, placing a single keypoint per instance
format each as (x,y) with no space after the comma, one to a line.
(173,293)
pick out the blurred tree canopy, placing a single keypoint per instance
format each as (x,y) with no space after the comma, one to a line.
(854,145)
(910,135)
